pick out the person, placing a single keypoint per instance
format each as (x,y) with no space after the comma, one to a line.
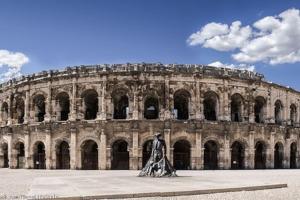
(158,164)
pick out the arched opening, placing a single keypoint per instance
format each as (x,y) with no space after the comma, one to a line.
(63,156)
(4,112)
(19,110)
(90,98)
(39,156)
(5,160)
(20,149)
(293,114)
(236,107)
(181,104)
(89,155)
(210,155)
(120,155)
(210,104)
(182,155)
(278,112)
(260,156)
(259,106)
(63,106)
(39,106)
(278,156)
(151,109)
(121,104)
(237,155)
(147,149)
(293,156)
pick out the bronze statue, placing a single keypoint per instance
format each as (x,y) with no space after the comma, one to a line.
(158,164)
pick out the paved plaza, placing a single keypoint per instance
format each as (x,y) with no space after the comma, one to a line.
(69,183)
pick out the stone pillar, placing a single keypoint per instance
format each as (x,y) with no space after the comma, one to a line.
(270,152)
(198,148)
(167,137)
(221,158)
(9,114)
(227,152)
(103,101)
(1,157)
(73,148)
(135,112)
(225,114)
(201,108)
(251,151)
(269,111)
(286,154)
(48,104)
(48,148)
(27,150)
(135,150)
(103,157)
(73,114)
(10,149)
(26,109)
(168,100)
(197,102)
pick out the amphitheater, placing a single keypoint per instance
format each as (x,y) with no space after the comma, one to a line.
(104,117)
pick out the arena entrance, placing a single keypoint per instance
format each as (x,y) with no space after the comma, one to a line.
(5,161)
(20,155)
(182,155)
(260,156)
(39,156)
(63,156)
(210,155)
(147,149)
(237,156)
(120,155)
(278,156)
(89,155)
(293,155)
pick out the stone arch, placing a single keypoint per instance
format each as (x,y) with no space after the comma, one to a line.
(39,155)
(236,107)
(182,154)
(19,148)
(278,155)
(259,109)
(211,106)
(151,107)
(293,155)
(39,106)
(120,100)
(62,106)
(260,155)
(89,154)
(90,104)
(182,100)
(237,155)
(120,155)
(4,159)
(211,154)
(62,151)
(278,112)
(293,113)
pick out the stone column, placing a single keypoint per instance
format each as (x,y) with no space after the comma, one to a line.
(197,101)
(270,152)
(135,112)
(27,150)
(225,114)
(251,111)
(251,151)
(286,154)
(269,111)
(198,149)
(9,114)
(48,148)
(227,155)
(1,158)
(167,137)
(48,104)
(73,114)
(168,100)
(10,149)
(73,148)
(135,150)
(103,157)
(26,109)
(103,101)
(221,158)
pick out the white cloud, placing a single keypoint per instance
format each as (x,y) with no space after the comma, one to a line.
(272,39)
(11,64)
(241,66)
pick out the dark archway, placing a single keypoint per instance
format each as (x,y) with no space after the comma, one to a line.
(19,110)
(147,149)
(278,156)
(120,155)
(236,108)
(121,104)
(182,155)
(210,104)
(151,108)
(210,155)
(20,148)
(181,104)
(278,111)
(293,156)
(293,114)
(5,155)
(4,112)
(90,98)
(237,156)
(259,106)
(63,156)
(39,156)
(63,103)
(260,156)
(89,155)
(39,106)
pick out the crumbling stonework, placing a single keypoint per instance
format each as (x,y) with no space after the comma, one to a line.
(104,117)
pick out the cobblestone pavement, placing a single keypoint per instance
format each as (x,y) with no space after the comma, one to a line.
(15,183)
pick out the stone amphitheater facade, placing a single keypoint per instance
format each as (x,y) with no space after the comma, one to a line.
(104,117)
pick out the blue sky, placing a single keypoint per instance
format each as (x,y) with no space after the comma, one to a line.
(55,34)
